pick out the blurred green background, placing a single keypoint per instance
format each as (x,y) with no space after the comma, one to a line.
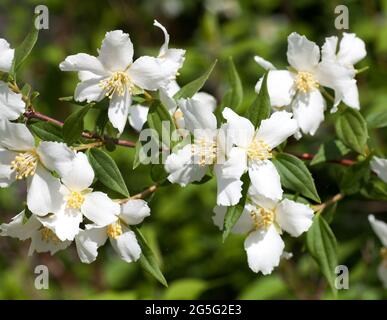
(194,260)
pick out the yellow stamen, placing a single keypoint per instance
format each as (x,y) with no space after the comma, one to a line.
(258,150)
(306,82)
(75,200)
(262,218)
(25,164)
(114,230)
(48,235)
(118,82)
(205,150)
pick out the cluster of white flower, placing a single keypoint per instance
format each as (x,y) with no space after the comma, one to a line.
(237,147)
(61,206)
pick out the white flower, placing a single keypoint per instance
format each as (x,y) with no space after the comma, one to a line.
(6,56)
(191,162)
(11,103)
(121,237)
(380,228)
(252,152)
(379,166)
(351,51)
(264,220)
(20,159)
(79,200)
(138,113)
(43,239)
(298,87)
(114,74)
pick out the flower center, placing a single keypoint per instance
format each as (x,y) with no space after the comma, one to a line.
(262,218)
(116,83)
(48,236)
(114,230)
(305,81)
(258,150)
(25,164)
(75,200)
(204,151)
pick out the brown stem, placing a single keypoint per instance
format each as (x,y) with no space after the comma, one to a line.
(309,156)
(145,193)
(87,135)
(334,199)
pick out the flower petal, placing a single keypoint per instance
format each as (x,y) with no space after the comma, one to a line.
(295,218)
(380,228)
(19,228)
(151,73)
(264,63)
(303,54)
(134,211)
(11,103)
(264,249)
(15,136)
(379,166)
(65,223)
(81,174)
(7,174)
(6,56)
(90,90)
(280,86)
(127,247)
(266,180)
(206,99)
(100,209)
(164,47)
(137,116)
(56,156)
(119,110)
(197,115)
(352,49)
(240,130)
(43,195)
(83,62)
(40,244)
(277,128)
(328,50)
(88,241)
(244,224)
(116,52)
(308,111)
(229,191)
(181,169)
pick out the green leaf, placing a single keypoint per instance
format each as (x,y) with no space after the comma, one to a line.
(260,108)
(25,48)
(331,150)
(160,119)
(322,245)
(355,177)
(107,171)
(47,131)
(74,125)
(377,120)
(185,289)
(148,259)
(351,128)
(375,189)
(295,175)
(234,96)
(233,213)
(137,154)
(193,87)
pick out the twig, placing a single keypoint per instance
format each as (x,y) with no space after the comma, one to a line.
(334,199)
(309,156)
(145,193)
(87,135)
